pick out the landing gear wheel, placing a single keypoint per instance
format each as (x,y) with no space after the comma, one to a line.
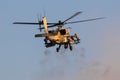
(66,46)
(57,49)
(71,48)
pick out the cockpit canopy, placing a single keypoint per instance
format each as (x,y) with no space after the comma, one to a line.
(63,32)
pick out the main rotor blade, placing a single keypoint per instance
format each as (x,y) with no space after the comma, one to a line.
(48,27)
(72,16)
(62,23)
(75,22)
(32,23)
(85,20)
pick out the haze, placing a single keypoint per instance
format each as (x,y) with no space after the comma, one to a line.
(23,57)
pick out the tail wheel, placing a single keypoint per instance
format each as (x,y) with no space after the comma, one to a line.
(45,40)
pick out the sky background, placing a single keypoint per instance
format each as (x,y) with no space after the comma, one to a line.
(23,57)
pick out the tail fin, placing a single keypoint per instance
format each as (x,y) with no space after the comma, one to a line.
(45,24)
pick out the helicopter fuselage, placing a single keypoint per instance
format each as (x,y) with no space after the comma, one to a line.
(58,36)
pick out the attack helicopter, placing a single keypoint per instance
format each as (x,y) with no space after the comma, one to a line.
(59,36)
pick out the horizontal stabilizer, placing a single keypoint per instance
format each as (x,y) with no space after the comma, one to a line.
(40,35)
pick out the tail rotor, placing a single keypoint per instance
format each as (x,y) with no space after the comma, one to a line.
(39,22)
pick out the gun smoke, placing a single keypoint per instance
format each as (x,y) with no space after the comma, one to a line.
(69,66)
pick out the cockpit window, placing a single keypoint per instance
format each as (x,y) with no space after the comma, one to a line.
(63,32)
